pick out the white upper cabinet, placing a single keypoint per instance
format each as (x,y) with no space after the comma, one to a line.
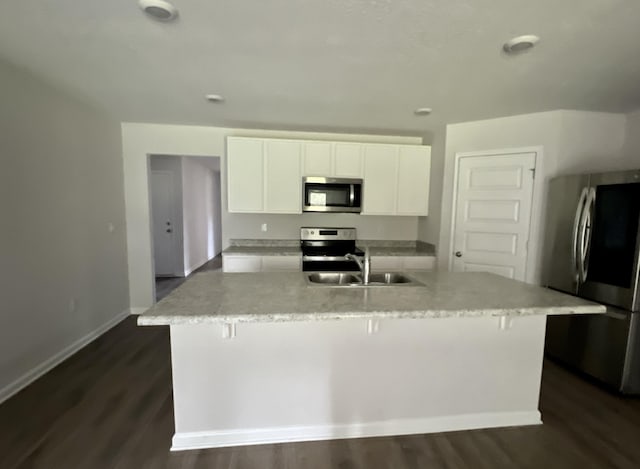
(333,159)
(265,175)
(348,160)
(414,167)
(380,179)
(245,169)
(283,182)
(318,159)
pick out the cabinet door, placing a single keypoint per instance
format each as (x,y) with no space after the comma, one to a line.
(414,166)
(419,263)
(386,263)
(281,264)
(241,263)
(245,170)
(283,180)
(318,159)
(380,179)
(348,160)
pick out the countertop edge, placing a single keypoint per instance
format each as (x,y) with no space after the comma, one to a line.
(170,320)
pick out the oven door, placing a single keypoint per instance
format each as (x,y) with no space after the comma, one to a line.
(328,264)
(609,240)
(332,195)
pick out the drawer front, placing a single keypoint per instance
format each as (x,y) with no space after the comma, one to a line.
(386,263)
(419,263)
(281,264)
(241,263)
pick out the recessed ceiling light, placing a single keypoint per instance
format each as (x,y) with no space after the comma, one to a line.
(214,98)
(160,10)
(520,44)
(422,111)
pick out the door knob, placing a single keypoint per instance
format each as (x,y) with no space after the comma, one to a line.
(169,230)
(458,254)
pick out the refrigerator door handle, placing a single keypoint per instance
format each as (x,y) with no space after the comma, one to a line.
(584,245)
(575,245)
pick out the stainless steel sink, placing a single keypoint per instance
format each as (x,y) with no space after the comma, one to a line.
(389,278)
(346,279)
(333,278)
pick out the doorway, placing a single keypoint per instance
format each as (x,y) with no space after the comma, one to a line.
(492,213)
(185,196)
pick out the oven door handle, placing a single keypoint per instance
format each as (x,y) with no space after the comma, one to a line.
(324,258)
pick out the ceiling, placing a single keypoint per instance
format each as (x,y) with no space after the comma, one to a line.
(339,65)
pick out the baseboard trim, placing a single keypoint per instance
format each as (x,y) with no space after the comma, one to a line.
(137,310)
(50,363)
(218,439)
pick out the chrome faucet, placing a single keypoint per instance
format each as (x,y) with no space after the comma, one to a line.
(364,265)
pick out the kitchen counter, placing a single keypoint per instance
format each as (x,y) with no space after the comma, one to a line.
(289,247)
(251,351)
(216,297)
(262,251)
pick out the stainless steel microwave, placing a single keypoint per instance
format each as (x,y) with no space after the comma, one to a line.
(593,237)
(322,194)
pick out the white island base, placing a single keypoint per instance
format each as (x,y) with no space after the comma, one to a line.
(279,382)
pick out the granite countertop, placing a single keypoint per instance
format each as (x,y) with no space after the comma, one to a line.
(263,251)
(216,297)
(289,247)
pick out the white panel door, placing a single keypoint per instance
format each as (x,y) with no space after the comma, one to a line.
(245,169)
(318,159)
(348,160)
(414,168)
(380,179)
(163,214)
(283,179)
(493,212)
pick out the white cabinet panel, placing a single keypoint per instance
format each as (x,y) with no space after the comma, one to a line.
(386,263)
(283,181)
(318,159)
(414,165)
(348,160)
(281,264)
(241,263)
(245,181)
(380,179)
(419,263)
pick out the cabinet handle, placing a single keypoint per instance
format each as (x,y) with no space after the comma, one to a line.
(458,254)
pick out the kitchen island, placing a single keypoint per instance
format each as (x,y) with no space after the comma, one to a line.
(267,357)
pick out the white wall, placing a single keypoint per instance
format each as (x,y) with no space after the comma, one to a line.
(570,141)
(64,272)
(631,150)
(198,213)
(216,190)
(429,226)
(140,140)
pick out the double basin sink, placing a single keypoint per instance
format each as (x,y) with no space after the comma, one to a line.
(348,279)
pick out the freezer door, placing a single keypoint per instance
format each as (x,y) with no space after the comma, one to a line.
(598,345)
(565,209)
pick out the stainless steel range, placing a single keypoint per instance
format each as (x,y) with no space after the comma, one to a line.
(324,249)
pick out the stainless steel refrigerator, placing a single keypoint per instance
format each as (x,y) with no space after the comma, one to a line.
(592,247)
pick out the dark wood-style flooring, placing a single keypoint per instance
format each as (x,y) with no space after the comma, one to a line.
(110,406)
(165,285)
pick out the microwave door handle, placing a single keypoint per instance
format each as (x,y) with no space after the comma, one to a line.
(352,195)
(577,228)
